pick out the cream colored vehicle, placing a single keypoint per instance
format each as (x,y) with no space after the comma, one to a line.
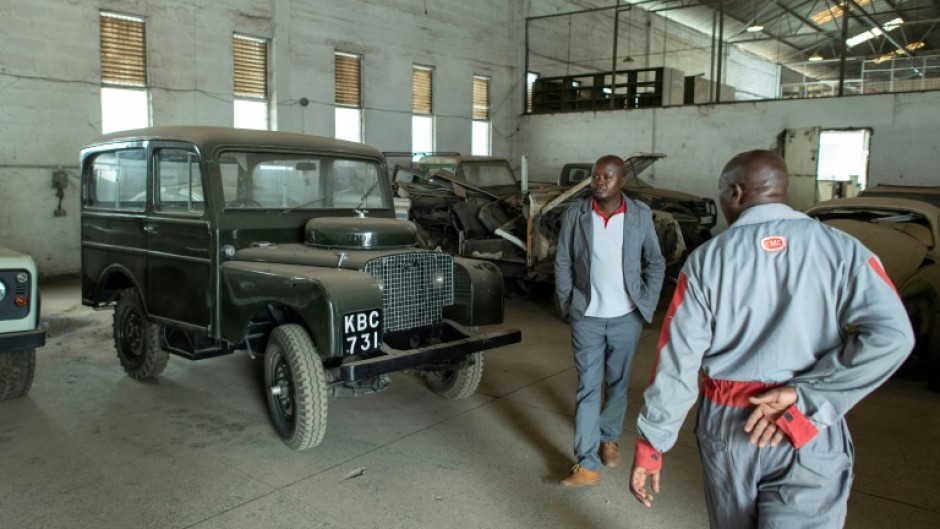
(905,235)
(545,206)
(20,332)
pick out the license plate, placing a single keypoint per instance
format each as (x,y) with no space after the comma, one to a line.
(362,331)
(707,220)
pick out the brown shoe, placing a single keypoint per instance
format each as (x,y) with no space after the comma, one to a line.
(581,477)
(610,454)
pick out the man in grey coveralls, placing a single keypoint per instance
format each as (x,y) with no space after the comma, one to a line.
(790,323)
(603,289)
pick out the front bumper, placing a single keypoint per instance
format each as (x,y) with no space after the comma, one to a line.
(17,341)
(398,360)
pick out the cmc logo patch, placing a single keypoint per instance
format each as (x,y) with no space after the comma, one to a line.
(774,243)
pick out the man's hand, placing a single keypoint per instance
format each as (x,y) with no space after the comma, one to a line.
(762,424)
(638,484)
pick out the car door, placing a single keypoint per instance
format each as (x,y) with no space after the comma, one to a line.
(114,204)
(180,283)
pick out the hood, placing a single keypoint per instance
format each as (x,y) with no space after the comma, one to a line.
(655,192)
(360,233)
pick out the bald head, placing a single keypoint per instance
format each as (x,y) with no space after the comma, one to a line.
(752,178)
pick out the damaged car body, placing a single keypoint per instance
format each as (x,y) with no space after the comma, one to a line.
(696,215)
(210,240)
(492,218)
(905,235)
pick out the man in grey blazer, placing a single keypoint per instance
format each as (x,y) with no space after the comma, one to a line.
(601,286)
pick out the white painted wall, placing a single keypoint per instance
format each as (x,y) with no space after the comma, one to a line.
(699,140)
(49,83)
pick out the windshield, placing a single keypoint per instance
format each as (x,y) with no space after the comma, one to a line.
(253,180)
(488,174)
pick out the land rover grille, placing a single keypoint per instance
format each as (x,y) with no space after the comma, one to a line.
(415,288)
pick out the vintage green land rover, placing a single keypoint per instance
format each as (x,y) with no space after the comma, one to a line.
(209,240)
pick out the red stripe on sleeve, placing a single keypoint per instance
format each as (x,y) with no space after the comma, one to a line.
(796,426)
(645,456)
(876,264)
(664,334)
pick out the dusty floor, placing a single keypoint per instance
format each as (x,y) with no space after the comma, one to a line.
(92,448)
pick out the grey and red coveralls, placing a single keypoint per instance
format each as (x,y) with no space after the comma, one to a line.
(770,302)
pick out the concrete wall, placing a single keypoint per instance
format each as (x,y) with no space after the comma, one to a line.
(700,139)
(50,82)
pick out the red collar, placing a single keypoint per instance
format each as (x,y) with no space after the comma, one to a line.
(621,209)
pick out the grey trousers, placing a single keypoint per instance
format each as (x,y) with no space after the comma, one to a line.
(773,487)
(603,351)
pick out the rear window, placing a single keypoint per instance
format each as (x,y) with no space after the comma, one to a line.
(118,181)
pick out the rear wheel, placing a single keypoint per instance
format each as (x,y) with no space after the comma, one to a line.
(295,386)
(457,383)
(137,339)
(16,373)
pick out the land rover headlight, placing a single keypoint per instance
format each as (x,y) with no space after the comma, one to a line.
(3,291)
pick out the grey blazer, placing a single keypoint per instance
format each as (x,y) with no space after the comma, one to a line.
(573,259)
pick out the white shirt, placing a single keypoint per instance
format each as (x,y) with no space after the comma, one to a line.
(609,298)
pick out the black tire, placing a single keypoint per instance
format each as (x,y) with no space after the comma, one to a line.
(16,373)
(295,387)
(457,383)
(137,339)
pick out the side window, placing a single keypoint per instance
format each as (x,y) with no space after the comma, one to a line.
(118,181)
(179,181)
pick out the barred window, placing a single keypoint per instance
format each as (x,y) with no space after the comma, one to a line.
(251,66)
(348,80)
(481,97)
(421,90)
(348,88)
(250,76)
(125,101)
(123,50)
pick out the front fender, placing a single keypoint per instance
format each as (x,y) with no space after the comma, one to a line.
(320,296)
(478,293)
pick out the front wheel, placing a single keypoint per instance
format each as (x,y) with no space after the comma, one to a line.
(295,386)
(457,383)
(137,339)
(16,373)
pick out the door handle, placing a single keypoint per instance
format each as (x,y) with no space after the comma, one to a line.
(150,229)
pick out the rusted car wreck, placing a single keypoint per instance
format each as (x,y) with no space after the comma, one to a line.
(483,213)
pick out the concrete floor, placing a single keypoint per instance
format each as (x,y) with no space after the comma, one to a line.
(92,448)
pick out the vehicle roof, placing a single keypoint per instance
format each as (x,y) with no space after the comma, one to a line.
(210,138)
(460,158)
(919,206)
(889,188)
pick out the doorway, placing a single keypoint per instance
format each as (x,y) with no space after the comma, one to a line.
(825,163)
(843,163)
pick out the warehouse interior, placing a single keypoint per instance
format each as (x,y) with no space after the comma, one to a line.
(90,447)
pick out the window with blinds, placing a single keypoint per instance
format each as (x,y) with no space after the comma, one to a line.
(123,50)
(250,56)
(481,98)
(421,89)
(348,79)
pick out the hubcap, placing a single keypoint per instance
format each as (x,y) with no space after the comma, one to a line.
(281,389)
(132,334)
